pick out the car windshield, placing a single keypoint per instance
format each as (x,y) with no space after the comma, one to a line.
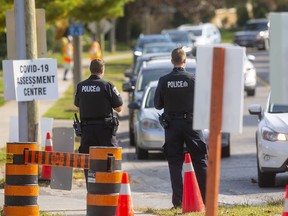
(150,75)
(256,26)
(150,98)
(196,32)
(158,49)
(144,41)
(179,37)
(154,74)
(278,108)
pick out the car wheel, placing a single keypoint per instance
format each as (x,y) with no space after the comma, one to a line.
(141,153)
(265,179)
(225,151)
(251,92)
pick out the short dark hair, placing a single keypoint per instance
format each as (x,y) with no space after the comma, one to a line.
(178,56)
(96,66)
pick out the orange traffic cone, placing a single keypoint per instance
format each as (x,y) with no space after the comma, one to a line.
(285,212)
(125,206)
(46,170)
(191,200)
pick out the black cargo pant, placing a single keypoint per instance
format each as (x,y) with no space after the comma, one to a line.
(180,132)
(94,135)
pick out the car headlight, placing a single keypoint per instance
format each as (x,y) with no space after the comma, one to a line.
(187,49)
(270,135)
(260,35)
(138,53)
(150,124)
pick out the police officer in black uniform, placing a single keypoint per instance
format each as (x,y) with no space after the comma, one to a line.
(175,93)
(96,100)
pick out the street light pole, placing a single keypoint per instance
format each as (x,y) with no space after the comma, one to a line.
(26,43)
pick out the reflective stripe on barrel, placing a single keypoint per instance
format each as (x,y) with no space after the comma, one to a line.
(21,188)
(98,158)
(104,182)
(104,205)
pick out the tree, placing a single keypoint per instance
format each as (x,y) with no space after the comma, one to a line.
(195,11)
(5,6)
(242,15)
(95,10)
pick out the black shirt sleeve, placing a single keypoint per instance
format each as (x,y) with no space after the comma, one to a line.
(115,97)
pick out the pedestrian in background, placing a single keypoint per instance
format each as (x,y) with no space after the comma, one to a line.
(175,93)
(96,100)
(95,50)
(67,53)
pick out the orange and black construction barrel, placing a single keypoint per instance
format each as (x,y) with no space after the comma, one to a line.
(104,180)
(21,187)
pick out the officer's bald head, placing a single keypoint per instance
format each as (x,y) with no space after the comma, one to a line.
(178,56)
(97,66)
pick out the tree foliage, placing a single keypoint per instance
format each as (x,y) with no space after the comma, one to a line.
(81,10)
(5,6)
(195,11)
(95,10)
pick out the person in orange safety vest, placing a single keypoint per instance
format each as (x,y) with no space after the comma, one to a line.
(95,50)
(67,53)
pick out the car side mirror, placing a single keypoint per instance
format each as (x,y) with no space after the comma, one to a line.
(127,87)
(134,105)
(255,109)
(128,74)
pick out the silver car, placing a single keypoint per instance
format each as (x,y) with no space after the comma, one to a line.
(150,71)
(149,134)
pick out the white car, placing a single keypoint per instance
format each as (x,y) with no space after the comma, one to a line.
(203,34)
(271,141)
(250,76)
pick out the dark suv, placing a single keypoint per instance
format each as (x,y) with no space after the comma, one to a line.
(253,34)
(149,38)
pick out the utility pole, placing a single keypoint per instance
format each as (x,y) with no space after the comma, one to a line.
(21,54)
(31,53)
(77,56)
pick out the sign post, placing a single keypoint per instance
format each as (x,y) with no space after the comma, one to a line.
(77,30)
(214,156)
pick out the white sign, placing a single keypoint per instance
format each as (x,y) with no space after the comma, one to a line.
(27,80)
(278,75)
(233,94)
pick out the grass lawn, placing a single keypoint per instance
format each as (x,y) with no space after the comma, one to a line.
(227,35)
(271,209)
(114,72)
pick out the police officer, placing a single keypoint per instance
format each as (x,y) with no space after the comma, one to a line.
(175,93)
(96,100)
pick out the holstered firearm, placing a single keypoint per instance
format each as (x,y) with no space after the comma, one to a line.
(77,125)
(113,123)
(164,120)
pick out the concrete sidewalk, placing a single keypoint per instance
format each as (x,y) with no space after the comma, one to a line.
(54,201)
